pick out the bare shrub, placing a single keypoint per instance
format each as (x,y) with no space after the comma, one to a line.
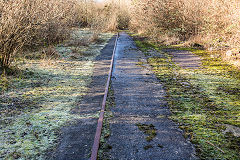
(111,16)
(78,42)
(50,53)
(94,37)
(28,23)
(123,19)
(105,18)
(213,23)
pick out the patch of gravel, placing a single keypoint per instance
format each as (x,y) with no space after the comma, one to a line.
(140,100)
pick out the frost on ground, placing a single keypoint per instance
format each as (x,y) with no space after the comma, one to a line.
(38,102)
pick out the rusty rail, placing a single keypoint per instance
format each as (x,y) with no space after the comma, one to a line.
(96,143)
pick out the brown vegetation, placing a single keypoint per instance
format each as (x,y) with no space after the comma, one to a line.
(29,23)
(213,23)
(26,24)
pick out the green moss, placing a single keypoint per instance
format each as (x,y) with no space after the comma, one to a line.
(149,130)
(147,147)
(103,152)
(203,106)
(160,146)
(144,46)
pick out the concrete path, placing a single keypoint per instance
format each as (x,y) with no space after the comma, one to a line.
(140,101)
(184,59)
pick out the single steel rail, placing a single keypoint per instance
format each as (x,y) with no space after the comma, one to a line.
(96,143)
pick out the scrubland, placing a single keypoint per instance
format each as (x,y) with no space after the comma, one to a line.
(213,23)
(33,24)
(46,62)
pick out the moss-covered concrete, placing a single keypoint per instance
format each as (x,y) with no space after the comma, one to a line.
(202,100)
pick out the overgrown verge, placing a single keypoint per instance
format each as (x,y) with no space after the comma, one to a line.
(205,102)
(106,132)
(33,24)
(28,23)
(37,100)
(212,24)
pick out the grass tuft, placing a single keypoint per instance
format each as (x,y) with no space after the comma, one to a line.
(149,130)
(103,152)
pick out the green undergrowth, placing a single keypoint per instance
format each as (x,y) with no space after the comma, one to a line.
(103,152)
(38,100)
(203,101)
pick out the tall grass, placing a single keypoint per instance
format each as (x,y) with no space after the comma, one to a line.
(212,23)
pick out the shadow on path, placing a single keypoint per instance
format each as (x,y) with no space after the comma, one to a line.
(77,139)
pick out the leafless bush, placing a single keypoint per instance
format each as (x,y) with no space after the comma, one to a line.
(50,53)
(212,23)
(28,23)
(123,19)
(104,18)
(111,16)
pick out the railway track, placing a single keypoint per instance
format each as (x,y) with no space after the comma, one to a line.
(140,128)
(96,142)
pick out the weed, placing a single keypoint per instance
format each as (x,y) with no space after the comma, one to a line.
(148,147)
(3,83)
(106,132)
(160,146)
(149,130)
